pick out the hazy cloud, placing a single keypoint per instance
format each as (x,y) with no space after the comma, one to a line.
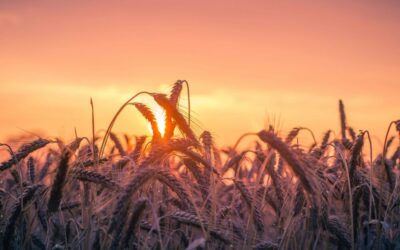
(8,18)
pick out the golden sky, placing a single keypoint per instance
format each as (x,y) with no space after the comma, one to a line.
(247,62)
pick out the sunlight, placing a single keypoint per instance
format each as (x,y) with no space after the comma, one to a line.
(159,114)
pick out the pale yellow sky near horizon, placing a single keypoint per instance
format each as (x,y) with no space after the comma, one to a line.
(247,63)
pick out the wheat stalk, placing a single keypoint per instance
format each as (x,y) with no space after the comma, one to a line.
(289,156)
(23,152)
(17,208)
(91,176)
(58,183)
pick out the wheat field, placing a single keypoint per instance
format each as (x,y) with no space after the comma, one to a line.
(179,190)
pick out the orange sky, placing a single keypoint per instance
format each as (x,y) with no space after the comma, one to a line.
(247,62)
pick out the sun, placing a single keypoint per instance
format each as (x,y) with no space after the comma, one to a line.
(159,115)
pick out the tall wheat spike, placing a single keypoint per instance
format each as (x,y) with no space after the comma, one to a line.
(58,183)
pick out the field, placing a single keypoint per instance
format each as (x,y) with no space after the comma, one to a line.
(178,190)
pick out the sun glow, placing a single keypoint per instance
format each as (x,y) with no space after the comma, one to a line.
(159,115)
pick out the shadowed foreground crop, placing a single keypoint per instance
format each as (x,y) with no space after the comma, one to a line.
(178,190)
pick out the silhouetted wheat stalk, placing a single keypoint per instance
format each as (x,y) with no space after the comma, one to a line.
(58,183)
(183,192)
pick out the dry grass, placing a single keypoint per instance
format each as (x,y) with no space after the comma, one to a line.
(183,192)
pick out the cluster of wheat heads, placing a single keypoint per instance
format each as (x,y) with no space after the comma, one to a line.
(183,192)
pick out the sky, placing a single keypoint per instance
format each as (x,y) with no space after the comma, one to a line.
(248,63)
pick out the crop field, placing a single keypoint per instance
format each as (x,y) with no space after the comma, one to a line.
(177,189)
